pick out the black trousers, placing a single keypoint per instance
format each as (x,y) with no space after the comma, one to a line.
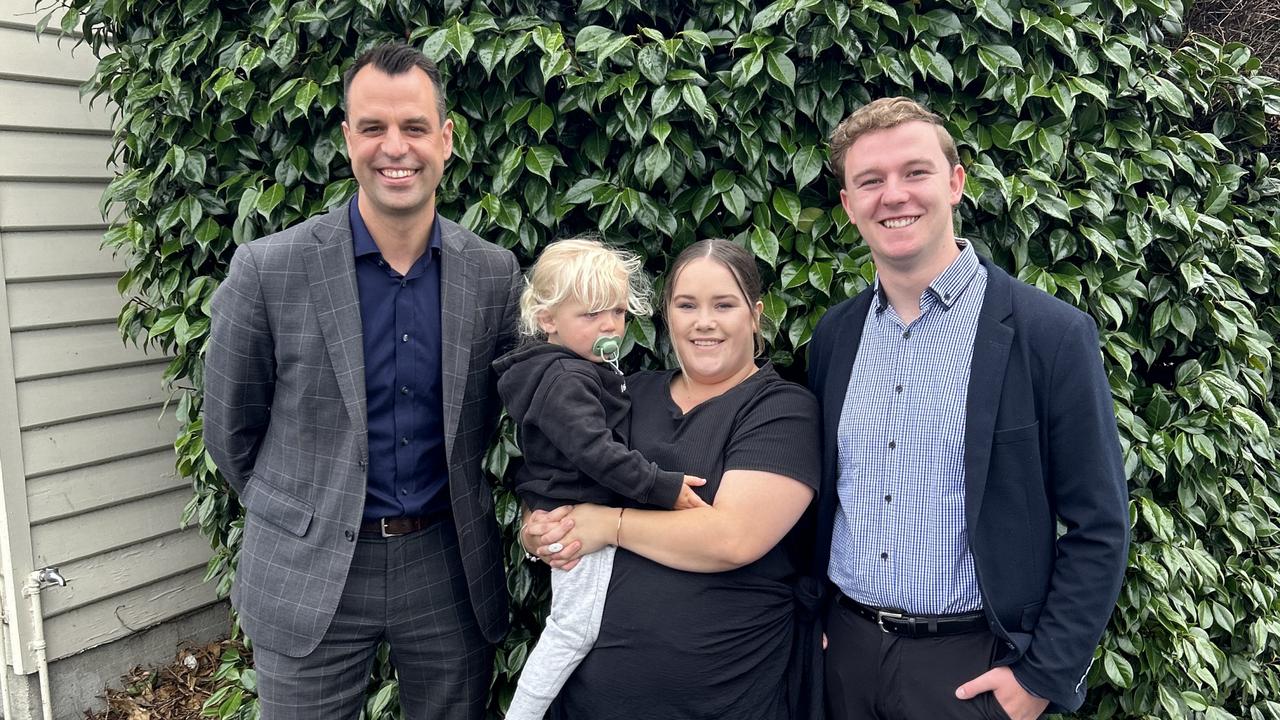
(875,675)
(407,590)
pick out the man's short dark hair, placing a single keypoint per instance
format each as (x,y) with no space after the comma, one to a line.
(395,59)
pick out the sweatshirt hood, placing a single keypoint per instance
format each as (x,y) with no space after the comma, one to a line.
(521,371)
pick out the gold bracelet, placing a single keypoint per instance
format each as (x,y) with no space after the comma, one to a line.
(520,541)
(617,537)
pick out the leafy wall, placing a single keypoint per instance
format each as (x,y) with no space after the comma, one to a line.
(1113,161)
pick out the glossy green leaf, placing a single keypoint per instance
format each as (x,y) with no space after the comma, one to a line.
(787,204)
(996,13)
(806,164)
(540,160)
(765,245)
(540,119)
(781,69)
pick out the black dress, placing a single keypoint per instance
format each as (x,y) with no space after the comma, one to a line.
(680,645)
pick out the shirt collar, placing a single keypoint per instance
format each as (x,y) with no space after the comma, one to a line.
(947,287)
(363,242)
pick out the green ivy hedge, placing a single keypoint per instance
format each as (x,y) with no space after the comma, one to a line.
(1112,161)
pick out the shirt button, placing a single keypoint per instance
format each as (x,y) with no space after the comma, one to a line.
(946,296)
(404,389)
(404,491)
(898,389)
(350,536)
(404,441)
(404,337)
(906,334)
(888,498)
(884,556)
(403,283)
(893,444)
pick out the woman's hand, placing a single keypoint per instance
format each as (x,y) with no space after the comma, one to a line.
(594,526)
(542,529)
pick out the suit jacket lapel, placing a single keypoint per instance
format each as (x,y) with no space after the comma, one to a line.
(844,350)
(331,271)
(991,346)
(457,324)
(841,351)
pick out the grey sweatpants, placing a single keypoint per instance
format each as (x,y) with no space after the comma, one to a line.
(577,604)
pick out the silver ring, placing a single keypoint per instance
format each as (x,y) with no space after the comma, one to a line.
(555,547)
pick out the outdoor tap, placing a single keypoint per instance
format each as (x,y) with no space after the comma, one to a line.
(50,576)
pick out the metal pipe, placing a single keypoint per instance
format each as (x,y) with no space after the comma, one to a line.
(4,655)
(31,589)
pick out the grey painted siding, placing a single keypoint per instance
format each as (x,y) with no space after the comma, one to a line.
(86,454)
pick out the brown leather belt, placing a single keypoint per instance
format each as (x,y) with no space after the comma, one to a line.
(915,626)
(402,525)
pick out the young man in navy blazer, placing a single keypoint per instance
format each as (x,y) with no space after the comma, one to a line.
(966,416)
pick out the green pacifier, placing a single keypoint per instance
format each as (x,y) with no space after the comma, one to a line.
(608,348)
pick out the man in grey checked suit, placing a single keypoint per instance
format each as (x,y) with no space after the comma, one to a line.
(349,402)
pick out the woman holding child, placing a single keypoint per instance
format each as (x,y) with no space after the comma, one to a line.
(699,620)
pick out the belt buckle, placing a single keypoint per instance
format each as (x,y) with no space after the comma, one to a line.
(382,523)
(882,614)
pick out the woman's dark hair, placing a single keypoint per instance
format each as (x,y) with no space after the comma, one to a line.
(740,263)
(396,59)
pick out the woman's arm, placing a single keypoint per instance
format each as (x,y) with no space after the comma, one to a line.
(752,512)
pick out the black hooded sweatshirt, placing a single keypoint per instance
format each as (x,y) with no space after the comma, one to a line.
(572,421)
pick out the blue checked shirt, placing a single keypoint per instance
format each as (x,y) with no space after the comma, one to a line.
(900,539)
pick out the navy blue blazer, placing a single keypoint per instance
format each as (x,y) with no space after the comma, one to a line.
(1041,447)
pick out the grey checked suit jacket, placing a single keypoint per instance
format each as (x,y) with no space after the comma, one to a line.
(285,421)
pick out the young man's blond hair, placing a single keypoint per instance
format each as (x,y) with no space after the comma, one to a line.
(883,114)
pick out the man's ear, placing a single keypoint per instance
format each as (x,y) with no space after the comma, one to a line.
(446,133)
(957,184)
(846,202)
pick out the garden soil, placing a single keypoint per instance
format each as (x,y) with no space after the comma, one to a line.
(173,692)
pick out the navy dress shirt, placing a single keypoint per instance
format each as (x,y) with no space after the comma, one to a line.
(400,314)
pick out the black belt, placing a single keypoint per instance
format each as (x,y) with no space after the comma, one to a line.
(401,525)
(915,626)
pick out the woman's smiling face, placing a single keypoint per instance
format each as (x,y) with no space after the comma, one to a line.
(712,324)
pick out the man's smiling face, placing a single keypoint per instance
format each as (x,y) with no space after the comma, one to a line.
(396,141)
(899,190)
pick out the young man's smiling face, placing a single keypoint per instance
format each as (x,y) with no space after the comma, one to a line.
(397,143)
(899,190)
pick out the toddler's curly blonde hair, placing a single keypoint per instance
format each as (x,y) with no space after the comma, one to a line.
(583,269)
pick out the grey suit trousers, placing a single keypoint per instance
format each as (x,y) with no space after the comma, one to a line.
(410,591)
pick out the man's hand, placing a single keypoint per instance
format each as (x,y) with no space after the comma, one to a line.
(688,498)
(1016,702)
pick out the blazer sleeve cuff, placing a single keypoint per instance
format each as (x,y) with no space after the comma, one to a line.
(1062,698)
